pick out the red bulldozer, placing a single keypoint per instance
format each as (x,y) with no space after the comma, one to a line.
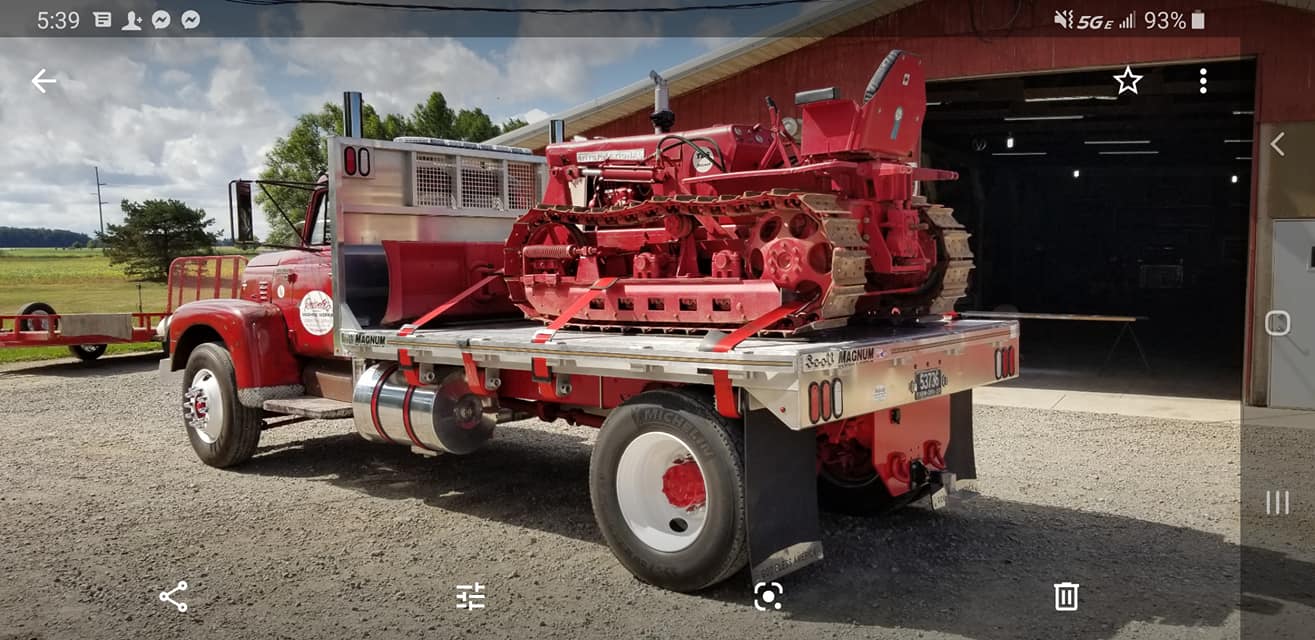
(799,225)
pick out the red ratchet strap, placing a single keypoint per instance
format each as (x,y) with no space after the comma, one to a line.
(408,366)
(539,371)
(474,378)
(723,391)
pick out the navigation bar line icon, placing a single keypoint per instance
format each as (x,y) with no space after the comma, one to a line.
(1281,503)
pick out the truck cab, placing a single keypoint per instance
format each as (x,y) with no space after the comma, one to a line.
(274,342)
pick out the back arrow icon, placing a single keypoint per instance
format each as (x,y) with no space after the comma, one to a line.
(1274,143)
(37,81)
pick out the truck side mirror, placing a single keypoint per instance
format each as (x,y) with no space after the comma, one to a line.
(246,233)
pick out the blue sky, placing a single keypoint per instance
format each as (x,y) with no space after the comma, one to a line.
(179,118)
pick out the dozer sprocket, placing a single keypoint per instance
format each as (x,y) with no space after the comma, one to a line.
(950,278)
(836,226)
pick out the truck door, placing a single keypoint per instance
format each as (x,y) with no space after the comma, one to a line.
(307,301)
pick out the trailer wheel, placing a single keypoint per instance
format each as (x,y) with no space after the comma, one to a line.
(222,431)
(667,483)
(36,309)
(87,352)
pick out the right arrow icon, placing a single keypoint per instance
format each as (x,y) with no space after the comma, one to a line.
(1274,143)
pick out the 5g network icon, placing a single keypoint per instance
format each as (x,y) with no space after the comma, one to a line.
(767,595)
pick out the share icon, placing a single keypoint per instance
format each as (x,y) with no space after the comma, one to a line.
(165,596)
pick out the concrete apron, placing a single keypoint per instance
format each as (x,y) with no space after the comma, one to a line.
(1127,404)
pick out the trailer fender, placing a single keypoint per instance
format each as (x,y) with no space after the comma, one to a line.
(254,334)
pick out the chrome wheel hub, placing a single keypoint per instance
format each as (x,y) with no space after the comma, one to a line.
(203,406)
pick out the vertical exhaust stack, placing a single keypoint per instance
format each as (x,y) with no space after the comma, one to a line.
(352,112)
(556,131)
(663,118)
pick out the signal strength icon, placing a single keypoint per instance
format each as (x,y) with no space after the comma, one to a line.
(1129,22)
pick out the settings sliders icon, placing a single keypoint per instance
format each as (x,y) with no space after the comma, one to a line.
(167,596)
(767,595)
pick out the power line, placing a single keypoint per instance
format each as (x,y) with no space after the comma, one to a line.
(408,6)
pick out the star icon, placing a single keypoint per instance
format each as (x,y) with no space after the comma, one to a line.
(1128,80)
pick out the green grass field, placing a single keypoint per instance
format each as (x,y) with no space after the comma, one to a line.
(71,281)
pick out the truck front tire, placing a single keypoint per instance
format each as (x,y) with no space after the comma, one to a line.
(667,483)
(222,431)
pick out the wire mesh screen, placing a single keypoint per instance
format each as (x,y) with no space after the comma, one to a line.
(434,183)
(523,187)
(481,183)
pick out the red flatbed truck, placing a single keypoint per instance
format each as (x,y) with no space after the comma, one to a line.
(714,451)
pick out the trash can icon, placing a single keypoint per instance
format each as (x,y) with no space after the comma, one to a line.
(1066,596)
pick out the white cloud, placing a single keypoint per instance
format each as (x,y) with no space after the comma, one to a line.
(534,115)
(153,129)
(395,74)
(179,118)
(175,77)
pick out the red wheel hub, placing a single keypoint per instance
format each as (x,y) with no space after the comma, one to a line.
(683,485)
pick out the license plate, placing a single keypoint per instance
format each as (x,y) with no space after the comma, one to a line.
(928,383)
(937,499)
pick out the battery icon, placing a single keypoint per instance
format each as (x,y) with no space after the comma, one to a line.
(1198,19)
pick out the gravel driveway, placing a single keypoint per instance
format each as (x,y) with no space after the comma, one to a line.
(324,535)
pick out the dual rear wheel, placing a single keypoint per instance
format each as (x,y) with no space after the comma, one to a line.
(667,482)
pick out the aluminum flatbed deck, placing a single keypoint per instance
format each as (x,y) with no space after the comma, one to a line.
(866,368)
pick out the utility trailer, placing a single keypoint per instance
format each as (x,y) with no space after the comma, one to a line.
(715,449)
(88,335)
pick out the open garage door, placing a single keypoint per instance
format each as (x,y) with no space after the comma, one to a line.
(1085,200)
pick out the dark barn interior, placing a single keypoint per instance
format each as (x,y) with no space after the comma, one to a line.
(1082,201)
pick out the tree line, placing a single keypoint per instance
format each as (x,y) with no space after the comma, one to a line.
(22,237)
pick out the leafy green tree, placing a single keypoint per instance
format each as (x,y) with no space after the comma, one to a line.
(474,125)
(512,124)
(153,233)
(300,156)
(433,118)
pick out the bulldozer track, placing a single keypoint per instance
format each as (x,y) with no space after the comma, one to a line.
(952,240)
(849,254)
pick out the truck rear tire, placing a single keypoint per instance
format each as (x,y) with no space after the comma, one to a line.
(87,352)
(222,431)
(667,483)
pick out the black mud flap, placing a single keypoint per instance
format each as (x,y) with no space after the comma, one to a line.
(781,496)
(960,456)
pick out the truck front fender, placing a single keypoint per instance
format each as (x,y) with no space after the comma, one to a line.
(255,336)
